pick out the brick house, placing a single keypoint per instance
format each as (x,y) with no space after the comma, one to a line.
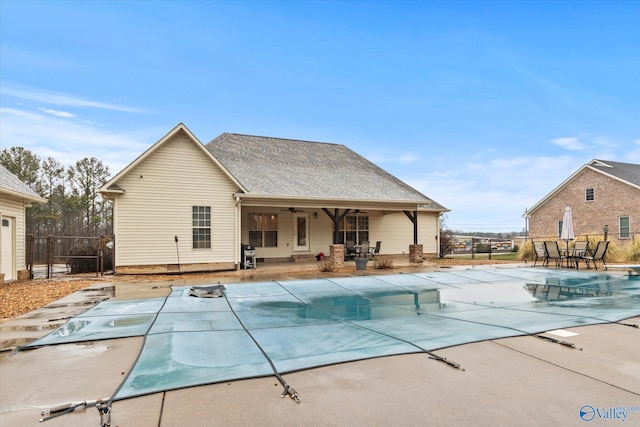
(600,194)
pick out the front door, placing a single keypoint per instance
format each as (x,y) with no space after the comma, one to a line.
(300,232)
(7,263)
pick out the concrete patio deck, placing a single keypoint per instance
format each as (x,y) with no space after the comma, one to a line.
(522,380)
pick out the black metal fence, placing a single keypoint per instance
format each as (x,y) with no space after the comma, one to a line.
(619,240)
(50,256)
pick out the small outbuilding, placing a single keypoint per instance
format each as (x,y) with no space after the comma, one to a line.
(15,196)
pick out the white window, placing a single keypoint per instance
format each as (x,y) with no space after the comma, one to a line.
(624,223)
(559,228)
(201,226)
(263,230)
(589,195)
(355,228)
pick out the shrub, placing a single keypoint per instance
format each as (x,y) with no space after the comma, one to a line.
(634,250)
(526,252)
(326,265)
(383,263)
(515,248)
(446,242)
(85,261)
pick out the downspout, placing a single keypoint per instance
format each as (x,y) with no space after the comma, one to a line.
(438,235)
(238,233)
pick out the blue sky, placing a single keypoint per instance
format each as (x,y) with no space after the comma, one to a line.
(483,106)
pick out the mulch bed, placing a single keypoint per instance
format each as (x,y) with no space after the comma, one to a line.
(18,298)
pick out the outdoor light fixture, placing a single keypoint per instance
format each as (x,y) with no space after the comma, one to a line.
(315,214)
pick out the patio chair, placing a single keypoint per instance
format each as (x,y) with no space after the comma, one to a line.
(553,252)
(364,249)
(373,252)
(541,253)
(598,255)
(350,249)
(580,248)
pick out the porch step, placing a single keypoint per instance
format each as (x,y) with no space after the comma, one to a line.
(303,257)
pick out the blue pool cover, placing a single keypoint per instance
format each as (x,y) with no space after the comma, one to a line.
(258,328)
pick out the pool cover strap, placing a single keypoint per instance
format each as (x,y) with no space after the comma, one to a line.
(288,390)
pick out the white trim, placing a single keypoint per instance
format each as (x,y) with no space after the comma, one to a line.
(306,246)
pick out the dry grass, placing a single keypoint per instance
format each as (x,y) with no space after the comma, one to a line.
(383,263)
(624,253)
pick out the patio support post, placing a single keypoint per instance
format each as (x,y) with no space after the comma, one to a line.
(415,250)
(337,255)
(414,219)
(415,254)
(336,217)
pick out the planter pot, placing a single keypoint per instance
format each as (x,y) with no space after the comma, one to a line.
(361,263)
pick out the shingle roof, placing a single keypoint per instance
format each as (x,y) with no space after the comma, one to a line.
(12,184)
(628,172)
(293,168)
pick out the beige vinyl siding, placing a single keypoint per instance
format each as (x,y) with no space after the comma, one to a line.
(157,205)
(395,231)
(14,208)
(320,232)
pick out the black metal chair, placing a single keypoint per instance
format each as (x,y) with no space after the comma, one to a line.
(350,249)
(373,252)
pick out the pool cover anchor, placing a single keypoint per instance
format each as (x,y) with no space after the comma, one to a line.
(66,408)
(105,414)
(445,360)
(561,342)
(291,392)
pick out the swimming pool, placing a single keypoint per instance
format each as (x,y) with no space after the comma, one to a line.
(267,328)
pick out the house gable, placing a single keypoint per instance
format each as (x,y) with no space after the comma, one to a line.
(626,173)
(153,201)
(113,187)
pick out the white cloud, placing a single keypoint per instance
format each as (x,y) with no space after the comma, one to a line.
(570,143)
(407,158)
(54,98)
(493,195)
(57,113)
(403,158)
(68,141)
